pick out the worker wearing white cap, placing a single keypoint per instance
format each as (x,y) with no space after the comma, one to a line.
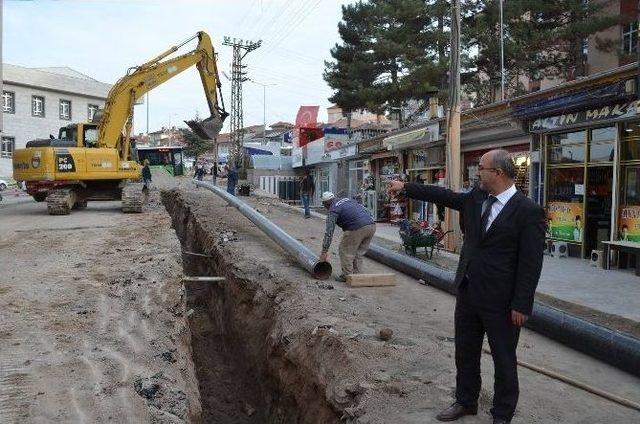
(358,229)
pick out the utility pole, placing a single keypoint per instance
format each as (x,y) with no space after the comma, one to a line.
(147,113)
(238,76)
(638,52)
(453,119)
(501,55)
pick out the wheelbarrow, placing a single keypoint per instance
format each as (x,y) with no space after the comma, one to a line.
(413,238)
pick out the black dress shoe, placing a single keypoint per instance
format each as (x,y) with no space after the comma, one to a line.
(456,411)
(501,421)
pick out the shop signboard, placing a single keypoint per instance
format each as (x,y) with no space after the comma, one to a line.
(335,138)
(315,153)
(343,153)
(617,111)
(297,156)
(565,221)
(370,146)
(629,223)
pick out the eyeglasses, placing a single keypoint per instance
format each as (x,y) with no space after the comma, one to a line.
(482,168)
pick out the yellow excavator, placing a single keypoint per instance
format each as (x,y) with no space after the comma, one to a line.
(95,160)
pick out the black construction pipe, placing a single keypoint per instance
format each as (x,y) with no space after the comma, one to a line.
(309,260)
(612,347)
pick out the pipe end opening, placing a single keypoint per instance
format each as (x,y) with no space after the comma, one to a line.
(322,270)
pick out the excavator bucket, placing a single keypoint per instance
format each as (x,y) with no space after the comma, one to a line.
(209,128)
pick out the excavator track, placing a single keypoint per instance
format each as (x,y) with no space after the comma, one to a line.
(60,201)
(132,198)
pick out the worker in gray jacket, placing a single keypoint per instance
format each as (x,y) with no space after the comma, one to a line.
(358,227)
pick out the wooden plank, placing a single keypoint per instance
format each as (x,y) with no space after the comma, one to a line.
(186,252)
(202,279)
(371,280)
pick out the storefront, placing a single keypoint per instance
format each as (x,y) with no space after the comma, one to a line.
(360,182)
(384,166)
(421,152)
(426,166)
(322,167)
(494,127)
(521,157)
(628,222)
(592,173)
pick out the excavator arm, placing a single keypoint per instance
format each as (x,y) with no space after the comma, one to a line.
(115,123)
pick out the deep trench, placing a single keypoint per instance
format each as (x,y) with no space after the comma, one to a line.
(244,375)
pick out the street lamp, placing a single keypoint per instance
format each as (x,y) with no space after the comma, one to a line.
(264,106)
(171,115)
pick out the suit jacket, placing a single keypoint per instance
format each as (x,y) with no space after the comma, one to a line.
(500,270)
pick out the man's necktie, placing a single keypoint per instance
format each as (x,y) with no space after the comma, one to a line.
(486,212)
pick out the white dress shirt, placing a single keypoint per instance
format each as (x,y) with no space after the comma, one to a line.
(497,206)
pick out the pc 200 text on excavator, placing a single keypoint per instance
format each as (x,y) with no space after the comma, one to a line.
(96,161)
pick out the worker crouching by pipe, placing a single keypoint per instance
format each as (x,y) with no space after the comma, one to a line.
(358,227)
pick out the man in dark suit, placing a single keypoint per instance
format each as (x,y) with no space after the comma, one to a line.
(497,275)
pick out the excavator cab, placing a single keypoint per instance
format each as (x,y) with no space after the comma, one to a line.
(82,135)
(69,133)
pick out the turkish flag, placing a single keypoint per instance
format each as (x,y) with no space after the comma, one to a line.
(307,116)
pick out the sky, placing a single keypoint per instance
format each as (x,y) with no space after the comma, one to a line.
(103,38)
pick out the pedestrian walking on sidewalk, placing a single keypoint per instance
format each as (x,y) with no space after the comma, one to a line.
(199,172)
(232,179)
(497,276)
(307,190)
(214,173)
(146,175)
(358,229)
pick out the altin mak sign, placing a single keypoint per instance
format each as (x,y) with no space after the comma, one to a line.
(602,113)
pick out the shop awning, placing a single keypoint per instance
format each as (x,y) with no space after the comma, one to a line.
(383,155)
(395,142)
(253,151)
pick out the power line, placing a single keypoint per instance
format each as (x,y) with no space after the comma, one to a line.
(278,16)
(291,23)
(246,14)
(283,36)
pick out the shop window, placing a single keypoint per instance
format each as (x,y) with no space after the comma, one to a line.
(601,146)
(629,212)
(565,204)
(566,184)
(522,161)
(632,185)
(567,147)
(630,141)
(418,159)
(359,179)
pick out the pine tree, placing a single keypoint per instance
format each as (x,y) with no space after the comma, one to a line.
(391,53)
(352,72)
(195,146)
(541,39)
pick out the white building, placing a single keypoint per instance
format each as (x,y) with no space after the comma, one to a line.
(36,102)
